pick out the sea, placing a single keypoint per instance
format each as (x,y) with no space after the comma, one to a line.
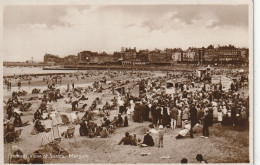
(10,71)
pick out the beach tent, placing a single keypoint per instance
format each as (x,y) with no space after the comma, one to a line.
(136,91)
(121,90)
(170,87)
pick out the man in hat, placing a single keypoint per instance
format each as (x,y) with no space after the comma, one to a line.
(174,116)
(158,115)
(193,118)
(142,111)
(206,124)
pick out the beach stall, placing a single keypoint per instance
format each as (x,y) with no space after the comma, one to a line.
(204,73)
(170,87)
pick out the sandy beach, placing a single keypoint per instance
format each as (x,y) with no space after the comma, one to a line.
(223,145)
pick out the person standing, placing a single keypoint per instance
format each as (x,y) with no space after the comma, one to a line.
(157,115)
(185,115)
(193,118)
(72,84)
(174,116)
(10,85)
(142,112)
(161,134)
(68,87)
(233,113)
(74,104)
(206,124)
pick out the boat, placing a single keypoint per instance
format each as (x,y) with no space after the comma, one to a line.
(53,68)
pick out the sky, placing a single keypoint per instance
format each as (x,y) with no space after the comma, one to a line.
(33,31)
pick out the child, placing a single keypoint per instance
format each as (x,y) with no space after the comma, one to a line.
(126,122)
(200,159)
(161,134)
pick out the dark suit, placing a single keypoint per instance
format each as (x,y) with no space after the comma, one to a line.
(206,124)
(193,118)
(142,112)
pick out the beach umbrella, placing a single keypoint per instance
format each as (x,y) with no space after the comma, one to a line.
(241,71)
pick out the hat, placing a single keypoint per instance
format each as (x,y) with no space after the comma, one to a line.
(147,132)
(186,121)
(160,126)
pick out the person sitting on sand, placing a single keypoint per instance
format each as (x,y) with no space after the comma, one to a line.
(148,140)
(184,161)
(106,122)
(75,118)
(91,129)
(43,106)
(120,121)
(107,106)
(200,159)
(127,140)
(17,156)
(38,126)
(37,115)
(18,121)
(36,158)
(83,130)
(104,133)
(134,140)
(185,130)
(83,98)
(69,101)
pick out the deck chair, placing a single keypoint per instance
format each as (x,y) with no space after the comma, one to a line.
(9,133)
(55,148)
(16,156)
(36,158)
(65,119)
(56,133)
(45,138)
(69,133)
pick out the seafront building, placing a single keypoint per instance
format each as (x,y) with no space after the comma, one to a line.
(169,56)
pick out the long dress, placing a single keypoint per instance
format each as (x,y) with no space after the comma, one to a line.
(179,119)
(186,130)
(215,112)
(220,116)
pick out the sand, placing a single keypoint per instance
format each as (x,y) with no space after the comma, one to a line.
(216,149)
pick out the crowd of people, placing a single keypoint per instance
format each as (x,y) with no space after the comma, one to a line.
(193,102)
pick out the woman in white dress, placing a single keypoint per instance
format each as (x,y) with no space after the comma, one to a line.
(220,116)
(185,130)
(132,106)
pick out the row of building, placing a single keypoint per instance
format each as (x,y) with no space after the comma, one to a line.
(130,56)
